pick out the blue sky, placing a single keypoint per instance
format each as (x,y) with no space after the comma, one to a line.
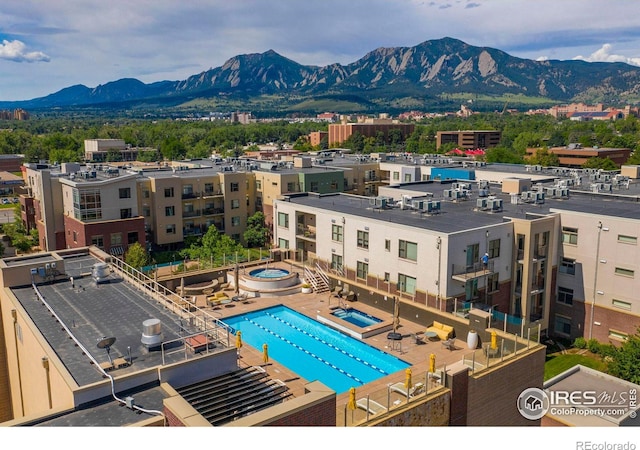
(48,45)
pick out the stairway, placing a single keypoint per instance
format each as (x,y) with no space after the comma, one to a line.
(317,279)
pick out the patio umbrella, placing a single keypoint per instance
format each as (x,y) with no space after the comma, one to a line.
(265,353)
(432,363)
(494,340)
(352,399)
(239,340)
(407,382)
(396,314)
(236,278)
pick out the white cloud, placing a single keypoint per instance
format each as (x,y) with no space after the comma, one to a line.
(603,54)
(542,58)
(16,51)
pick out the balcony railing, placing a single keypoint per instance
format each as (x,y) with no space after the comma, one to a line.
(476,270)
(186,195)
(306,232)
(211,192)
(212,211)
(191,213)
(192,231)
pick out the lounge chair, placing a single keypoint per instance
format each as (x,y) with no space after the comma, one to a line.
(401,389)
(350,297)
(370,405)
(449,344)
(337,291)
(418,339)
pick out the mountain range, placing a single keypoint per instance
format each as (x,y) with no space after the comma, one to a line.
(431,75)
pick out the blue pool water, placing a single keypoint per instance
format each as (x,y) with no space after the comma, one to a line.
(313,350)
(269,273)
(356,317)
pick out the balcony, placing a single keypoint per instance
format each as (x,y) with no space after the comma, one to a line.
(191,213)
(212,192)
(465,273)
(192,231)
(212,211)
(541,252)
(306,232)
(187,195)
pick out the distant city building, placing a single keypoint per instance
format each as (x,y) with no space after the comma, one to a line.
(574,155)
(338,133)
(315,137)
(469,139)
(98,150)
(243,118)
(16,114)
(582,111)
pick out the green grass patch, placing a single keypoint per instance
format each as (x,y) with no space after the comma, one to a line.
(557,363)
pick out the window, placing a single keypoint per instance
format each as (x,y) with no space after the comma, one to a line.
(627,239)
(124,192)
(132,237)
(387,245)
(387,277)
(75,236)
(98,241)
(169,211)
(493,282)
(396,175)
(408,250)
(283,243)
(363,239)
(620,304)
(125,213)
(235,237)
(336,262)
(171,229)
(87,205)
(283,220)
(570,235)
(336,233)
(494,248)
(362,270)
(146,211)
(291,187)
(234,187)
(187,191)
(563,325)
(116,239)
(334,186)
(314,186)
(406,284)
(618,335)
(565,295)
(568,266)
(624,272)
(168,192)
(208,188)
(145,193)
(258,184)
(235,221)
(235,203)
(407,178)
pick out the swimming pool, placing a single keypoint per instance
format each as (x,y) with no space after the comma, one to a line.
(356,317)
(314,351)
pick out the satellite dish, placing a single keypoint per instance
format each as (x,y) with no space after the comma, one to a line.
(106,342)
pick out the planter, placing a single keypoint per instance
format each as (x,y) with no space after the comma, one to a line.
(472,340)
(306,290)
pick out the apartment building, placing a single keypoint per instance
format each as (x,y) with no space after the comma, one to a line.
(469,139)
(574,155)
(424,242)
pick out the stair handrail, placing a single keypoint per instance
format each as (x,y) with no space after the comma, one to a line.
(311,278)
(322,275)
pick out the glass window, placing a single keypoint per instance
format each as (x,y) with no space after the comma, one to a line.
(565,295)
(235,187)
(283,243)
(124,192)
(408,250)
(563,325)
(125,213)
(116,238)
(363,270)
(208,188)
(291,187)
(396,175)
(258,184)
(235,203)
(493,282)
(618,335)
(171,229)
(406,284)
(75,236)
(336,233)
(620,304)
(494,248)
(169,211)
(570,235)
(98,241)
(387,245)
(87,205)
(624,272)
(363,239)
(235,221)
(283,220)
(627,239)
(132,237)
(145,193)
(568,266)
(336,262)
(168,192)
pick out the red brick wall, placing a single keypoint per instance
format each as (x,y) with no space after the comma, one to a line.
(319,415)
(84,231)
(172,420)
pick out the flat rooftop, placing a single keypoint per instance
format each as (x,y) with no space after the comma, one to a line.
(92,312)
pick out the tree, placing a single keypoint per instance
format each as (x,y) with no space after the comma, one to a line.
(544,158)
(136,256)
(624,361)
(213,245)
(600,163)
(257,233)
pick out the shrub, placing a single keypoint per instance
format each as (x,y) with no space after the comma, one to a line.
(593,345)
(580,342)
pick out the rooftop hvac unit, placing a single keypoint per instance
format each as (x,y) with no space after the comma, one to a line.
(483,184)
(482,203)
(433,206)
(495,204)
(461,186)
(151,333)
(381,202)
(100,272)
(483,192)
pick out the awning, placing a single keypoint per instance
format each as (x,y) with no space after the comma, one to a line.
(117,250)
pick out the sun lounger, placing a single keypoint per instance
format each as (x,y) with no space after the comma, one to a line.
(401,389)
(418,339)
(449,343)
(370,405)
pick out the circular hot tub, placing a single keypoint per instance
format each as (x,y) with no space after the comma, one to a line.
(269,278)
